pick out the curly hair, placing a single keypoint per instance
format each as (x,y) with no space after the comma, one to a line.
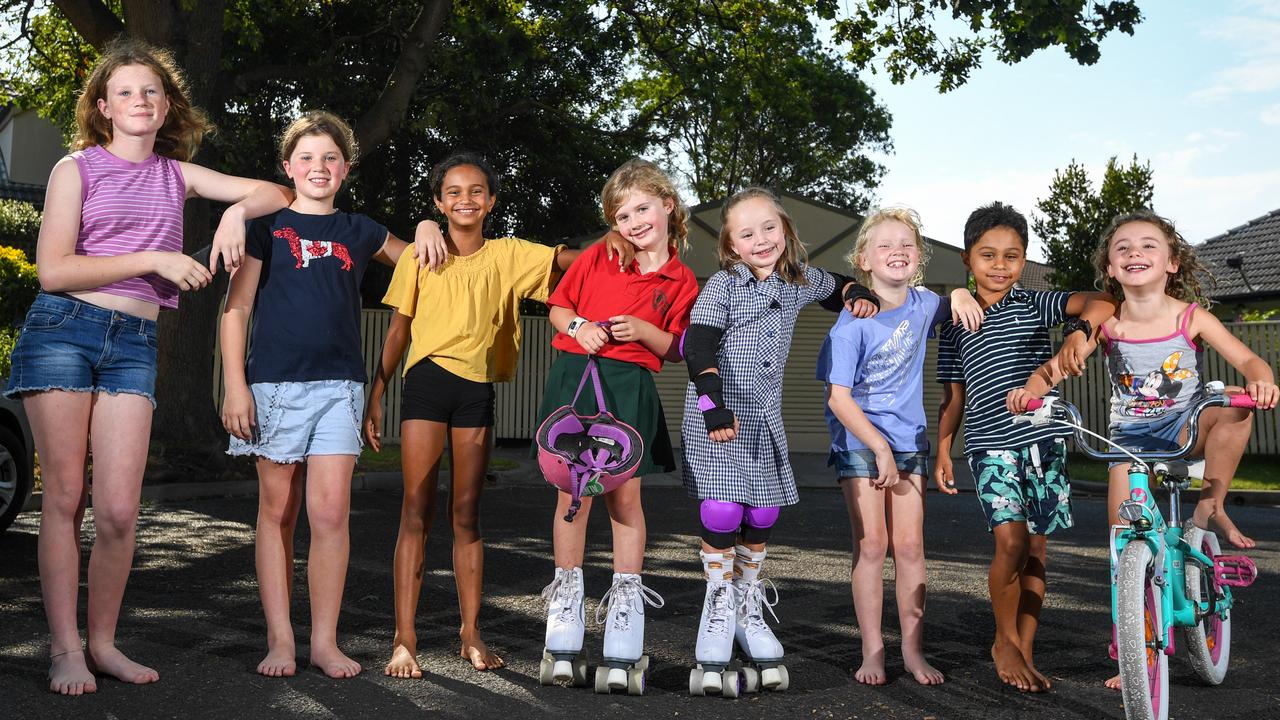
(458,159)
(904,215)
(320,122)
(184,126)
(794,256)
(636,175)
(1183,284)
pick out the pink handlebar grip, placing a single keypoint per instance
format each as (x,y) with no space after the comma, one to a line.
(1242,401)
(1035,404)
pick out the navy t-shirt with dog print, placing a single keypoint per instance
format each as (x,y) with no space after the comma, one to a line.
(306,316)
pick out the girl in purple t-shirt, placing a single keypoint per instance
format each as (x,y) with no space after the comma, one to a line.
(109,257)
(873,369)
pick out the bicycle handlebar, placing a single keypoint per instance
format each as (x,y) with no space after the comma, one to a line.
(1057,407)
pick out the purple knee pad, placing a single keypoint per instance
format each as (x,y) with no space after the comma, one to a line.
(721,517)
(761,517)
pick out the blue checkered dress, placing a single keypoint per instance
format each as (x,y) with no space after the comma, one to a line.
(758,317)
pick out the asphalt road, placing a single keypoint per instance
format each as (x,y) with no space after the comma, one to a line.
(192,612)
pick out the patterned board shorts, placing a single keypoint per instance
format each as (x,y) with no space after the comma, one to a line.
(1028,484)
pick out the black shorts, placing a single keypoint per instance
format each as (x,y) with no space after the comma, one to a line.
(433,393)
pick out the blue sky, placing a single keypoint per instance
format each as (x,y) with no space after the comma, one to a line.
(1195,90)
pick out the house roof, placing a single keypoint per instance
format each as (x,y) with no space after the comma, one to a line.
(1035,276)
(1245,260)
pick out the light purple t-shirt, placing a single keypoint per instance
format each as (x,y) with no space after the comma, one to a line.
(882,360)
(129,207)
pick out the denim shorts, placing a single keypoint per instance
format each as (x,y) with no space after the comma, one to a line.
(862,463)
(1159,435)
(299,419)
(69,344)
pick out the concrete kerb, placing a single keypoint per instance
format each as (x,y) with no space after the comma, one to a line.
(811,471)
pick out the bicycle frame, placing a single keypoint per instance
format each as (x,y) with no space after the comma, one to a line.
(1145,522)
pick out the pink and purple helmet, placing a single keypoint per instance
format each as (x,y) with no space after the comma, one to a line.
(587,454)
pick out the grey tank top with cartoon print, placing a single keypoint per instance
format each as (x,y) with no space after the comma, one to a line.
(1152,378)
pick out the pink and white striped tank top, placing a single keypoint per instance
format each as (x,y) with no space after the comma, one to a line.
(129,207)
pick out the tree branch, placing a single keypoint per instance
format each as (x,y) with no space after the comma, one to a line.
(92,19)
(388,111)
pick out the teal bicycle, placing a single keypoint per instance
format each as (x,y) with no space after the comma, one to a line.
(1164,575)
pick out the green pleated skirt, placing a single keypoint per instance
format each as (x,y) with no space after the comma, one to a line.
(629,393)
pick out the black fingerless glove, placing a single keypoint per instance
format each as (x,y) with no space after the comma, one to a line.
(857,292)
(711,402)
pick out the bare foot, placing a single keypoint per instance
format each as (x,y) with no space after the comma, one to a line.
(1113,682)
(404,662)
(1045,682)
(922,671)
(280,660)
(69,675)
(872,670)
(1012,668)
(1224,527)
(110,661)
(333,662)
(477,653)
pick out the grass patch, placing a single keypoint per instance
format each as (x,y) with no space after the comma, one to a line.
(1257,472)
(389,460)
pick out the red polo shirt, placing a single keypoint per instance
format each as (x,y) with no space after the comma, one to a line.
(595,288)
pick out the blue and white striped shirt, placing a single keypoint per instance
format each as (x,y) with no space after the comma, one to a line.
(1011,344)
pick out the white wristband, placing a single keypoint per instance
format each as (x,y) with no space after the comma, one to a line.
(575,325)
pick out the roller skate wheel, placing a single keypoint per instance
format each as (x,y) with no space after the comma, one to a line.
(635,681)
(695,682)
(785,679)
(771,678)
(711,683)
(643,665)
(750,679)
(602,680)
(579,672)
(545,674)
(617,679)
(731,685)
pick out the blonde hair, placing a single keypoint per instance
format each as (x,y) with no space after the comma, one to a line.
(636,175)
(794,256)
(320,122)
(1183,284)
(184,125)
(904,215)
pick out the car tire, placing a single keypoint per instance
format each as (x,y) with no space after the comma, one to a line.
(15,478)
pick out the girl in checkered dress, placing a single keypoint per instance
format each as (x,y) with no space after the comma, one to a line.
(735,448)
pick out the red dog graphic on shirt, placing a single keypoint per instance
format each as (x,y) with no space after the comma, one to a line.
(304,251)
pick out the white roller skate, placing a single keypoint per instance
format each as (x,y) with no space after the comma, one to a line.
(563,659)
(625,665)
(763,666)
(715,631)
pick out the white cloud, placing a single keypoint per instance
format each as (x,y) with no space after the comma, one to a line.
(1270,115)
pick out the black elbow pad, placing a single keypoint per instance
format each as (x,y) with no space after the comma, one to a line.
(700,346)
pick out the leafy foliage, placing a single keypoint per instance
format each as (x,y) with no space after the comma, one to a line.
(18,285)
(1073,216)
(19,225)
(904,36)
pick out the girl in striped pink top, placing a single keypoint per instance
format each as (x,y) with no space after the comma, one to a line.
(109,257)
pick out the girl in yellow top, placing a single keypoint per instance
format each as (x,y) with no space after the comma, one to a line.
(455,356)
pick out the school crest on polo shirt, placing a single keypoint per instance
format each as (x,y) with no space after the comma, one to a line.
(305,251)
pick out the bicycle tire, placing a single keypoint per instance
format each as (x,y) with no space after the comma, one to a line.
(1144,671)
(1208,642)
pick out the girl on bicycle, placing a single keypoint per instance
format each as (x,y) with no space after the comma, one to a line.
(1154,352)
(874,370)
(110,257)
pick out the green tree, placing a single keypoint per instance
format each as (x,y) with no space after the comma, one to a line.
(18,285)
(1072,218)
(19,225)
(556,92)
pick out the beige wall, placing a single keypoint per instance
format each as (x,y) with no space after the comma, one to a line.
(31,146)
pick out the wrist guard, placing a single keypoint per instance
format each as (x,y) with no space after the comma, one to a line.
(1077,324)
(711,402)
(857,292)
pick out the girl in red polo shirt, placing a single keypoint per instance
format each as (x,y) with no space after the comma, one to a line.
(647,304)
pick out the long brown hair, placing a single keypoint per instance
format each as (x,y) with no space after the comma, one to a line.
(794,256)
(184,125)
(636,175)
(1183,284)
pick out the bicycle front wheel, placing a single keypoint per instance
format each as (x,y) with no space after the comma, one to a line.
(1208,641)
(1144,668)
